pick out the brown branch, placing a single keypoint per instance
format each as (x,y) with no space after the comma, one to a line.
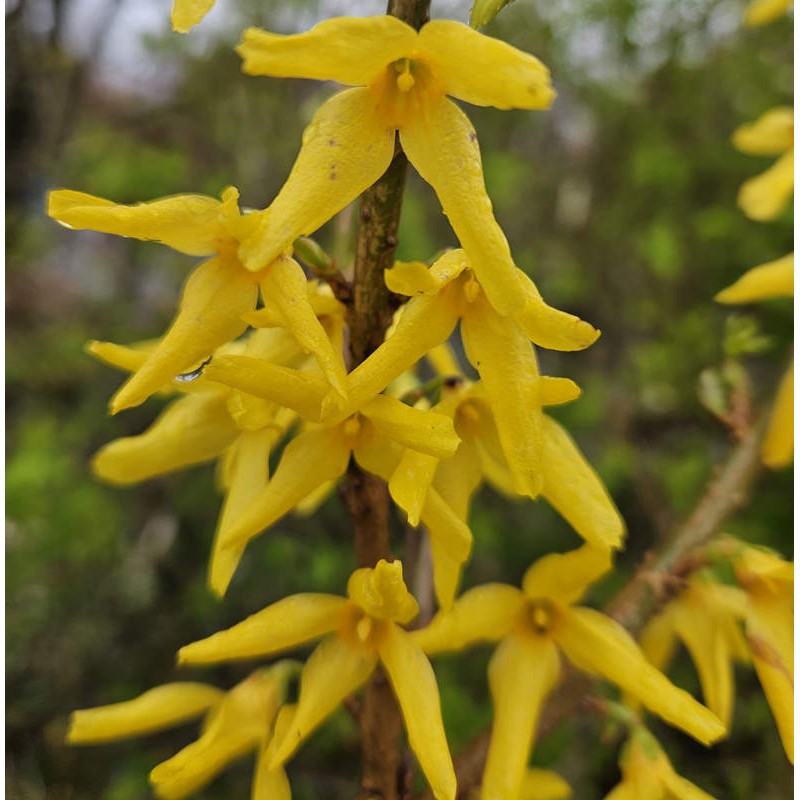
(384,777)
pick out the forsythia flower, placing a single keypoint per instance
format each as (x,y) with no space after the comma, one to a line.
(188,13)
(236,722)
(542,784)
(648,775)
(403,78)
(361,632)
(760,12)
(533,625)
(764,282)
(772,134)
(217,295)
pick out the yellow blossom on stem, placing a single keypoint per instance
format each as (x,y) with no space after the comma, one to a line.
(533,626)
(772,134)
(236,722)
(760,12)
(647,773)
(765,282)
(217,295)
(188,13)
(362,631)
(403,79)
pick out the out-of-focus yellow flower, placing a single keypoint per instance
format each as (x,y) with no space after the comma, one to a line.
(217,295)
(361,631)
(764,282)
(533,625)
(772,134)
(648,774)
(760,12)
(404,78)
(188,13)
(236,722)
(706,617)
(543,784)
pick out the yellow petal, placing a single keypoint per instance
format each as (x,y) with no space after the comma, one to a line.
(764,197)
(288,623)
(309,460)
(300,391)
(423,323)
(508,368)
(214,298)
(350,50)
(557,391)
(412,278)
(547,326)
(248,476)
(414,685)
(162,707)
(458,477)
(597,644)
(186,222)
(451,544)
(780,695)
(574,489)
(270,784)
(522,672)
(543,784)
(777,449)
(332,673)
(127,358)
(410,482)
(565,577)
(284,287)
(760,12)
(191,430)
(424,431)
(442,145)
(346,148)
(773,279)
(483,614)
(443,360)
(381,592)
(770,135)
(187,13)
(495,74)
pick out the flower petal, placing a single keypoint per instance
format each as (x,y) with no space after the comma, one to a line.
(410,482)
(350,50)
(509,371)
(777,449)
(424,431)
(763,197)
(381,592)
(770,135)
(332,673)
(543,784)
(311,459)
(346,148)
(214,298)
(288,623)
(128,358)
(597,644)
(186,222)
(495,74)
(188,13)
(760,12)
(284,288)
(773,279)
(522,672)
(565,577)
(557,391)
(484,614)
(574,489)
(270,784)
(191,430)
(414,685)
(162,707)
(457,478)
(300,391)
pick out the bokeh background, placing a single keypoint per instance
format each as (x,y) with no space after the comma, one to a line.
(620,201)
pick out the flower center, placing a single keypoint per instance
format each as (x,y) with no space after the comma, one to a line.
(405,78)
(540,615)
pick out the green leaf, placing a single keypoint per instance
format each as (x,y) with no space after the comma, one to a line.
(484,11)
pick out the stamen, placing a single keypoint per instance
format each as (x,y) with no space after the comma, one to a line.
(363,629)
(405,80)
(540,618)
(352,427)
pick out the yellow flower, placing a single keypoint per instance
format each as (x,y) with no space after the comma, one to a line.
(217,295)
(188,13)
(647,773)
(706,617)
(542,784)
(533,625)
(403,78)
(760,12)
(764,282)
(236,722)
(772,134)
(361,631)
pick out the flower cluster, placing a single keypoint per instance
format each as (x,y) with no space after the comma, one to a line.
(255,359)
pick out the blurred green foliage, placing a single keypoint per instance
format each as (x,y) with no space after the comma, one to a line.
(620,201)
